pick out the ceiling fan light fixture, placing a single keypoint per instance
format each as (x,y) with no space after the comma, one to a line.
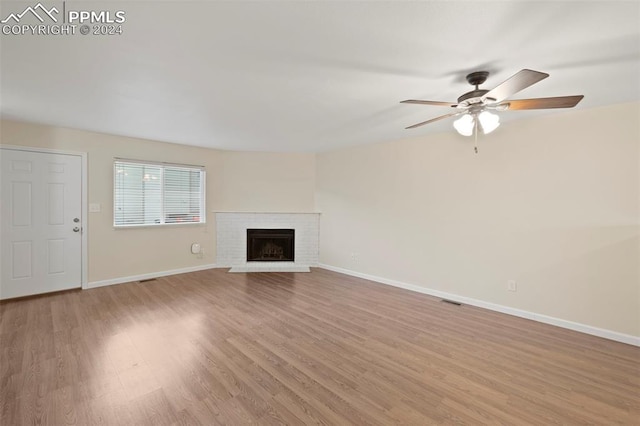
(473,106)
(464,125)
(488,121)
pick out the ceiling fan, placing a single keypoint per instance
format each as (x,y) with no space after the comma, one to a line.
(475,106)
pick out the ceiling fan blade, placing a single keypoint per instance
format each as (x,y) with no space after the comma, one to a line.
(517,82)
(437,103)
(435,119)
(543,103)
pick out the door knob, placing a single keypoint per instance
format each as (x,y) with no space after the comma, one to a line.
(76,229)
(76,220)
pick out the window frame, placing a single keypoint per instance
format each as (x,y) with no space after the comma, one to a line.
(162,165)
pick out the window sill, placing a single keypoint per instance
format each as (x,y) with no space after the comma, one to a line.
(159,225)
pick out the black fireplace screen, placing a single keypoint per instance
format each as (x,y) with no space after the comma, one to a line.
(270,245)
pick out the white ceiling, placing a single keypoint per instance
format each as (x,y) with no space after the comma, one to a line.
(310,76)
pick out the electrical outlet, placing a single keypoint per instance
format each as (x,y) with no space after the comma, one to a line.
(512,285)
(354,256)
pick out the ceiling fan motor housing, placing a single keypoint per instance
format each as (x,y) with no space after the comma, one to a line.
(475,79)
(478,93)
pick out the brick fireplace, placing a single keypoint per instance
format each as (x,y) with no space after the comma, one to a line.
(271,252)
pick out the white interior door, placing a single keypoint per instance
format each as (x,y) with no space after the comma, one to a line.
(41,222)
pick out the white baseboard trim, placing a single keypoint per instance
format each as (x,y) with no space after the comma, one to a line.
(587,329)
(149,276)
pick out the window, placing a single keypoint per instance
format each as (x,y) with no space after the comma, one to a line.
(157,194)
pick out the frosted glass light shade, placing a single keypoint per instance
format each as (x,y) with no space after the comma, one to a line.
(488,121)
(464,125)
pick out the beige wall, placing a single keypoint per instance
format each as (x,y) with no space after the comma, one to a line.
(551,202)
(235,181)
(267,182)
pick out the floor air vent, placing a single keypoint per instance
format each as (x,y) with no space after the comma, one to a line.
(451,302)
(146,281)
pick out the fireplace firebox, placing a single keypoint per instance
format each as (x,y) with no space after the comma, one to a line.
(270,245)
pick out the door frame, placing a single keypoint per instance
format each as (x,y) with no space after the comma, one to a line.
(84,262)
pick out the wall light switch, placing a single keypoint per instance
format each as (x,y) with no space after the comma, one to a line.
(94,208)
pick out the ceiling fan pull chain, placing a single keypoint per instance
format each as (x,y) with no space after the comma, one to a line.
(475,132)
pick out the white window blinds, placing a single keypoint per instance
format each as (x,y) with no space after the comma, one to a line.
(157,194)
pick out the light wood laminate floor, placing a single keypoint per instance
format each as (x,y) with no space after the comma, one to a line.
(282,348)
